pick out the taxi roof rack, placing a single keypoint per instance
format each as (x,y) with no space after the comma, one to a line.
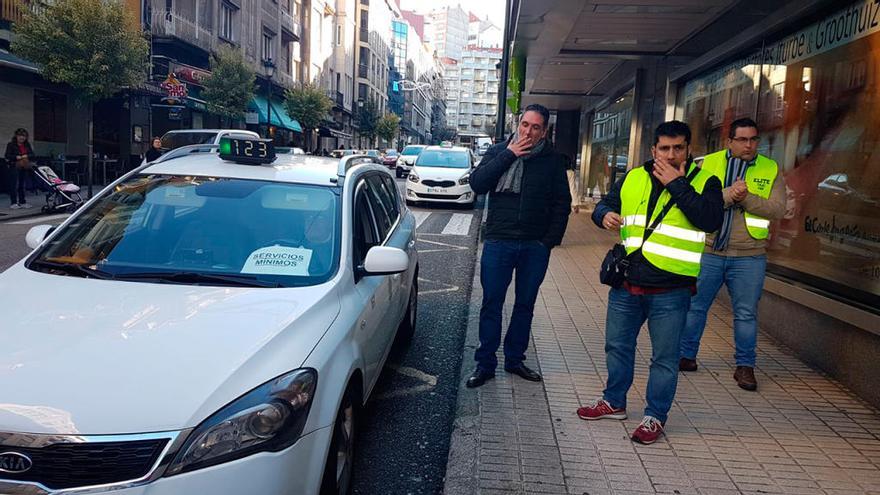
(347,162)
(186,151)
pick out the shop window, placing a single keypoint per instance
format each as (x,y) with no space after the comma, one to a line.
(50,117)
(609,144)
(817,111)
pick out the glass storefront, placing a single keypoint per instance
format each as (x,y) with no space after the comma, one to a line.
(818,109)
(609,144)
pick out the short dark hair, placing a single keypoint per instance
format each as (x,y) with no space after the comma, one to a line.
(541,109)
(673,128)
(736,124)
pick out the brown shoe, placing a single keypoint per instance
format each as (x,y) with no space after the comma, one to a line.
(745,378)
(685,364)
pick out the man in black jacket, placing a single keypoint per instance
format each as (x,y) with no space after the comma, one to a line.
(529,205)
(661,278)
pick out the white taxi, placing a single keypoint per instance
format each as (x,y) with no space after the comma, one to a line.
(442,174)
(208,324)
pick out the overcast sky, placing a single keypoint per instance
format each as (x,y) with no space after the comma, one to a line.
(492,8)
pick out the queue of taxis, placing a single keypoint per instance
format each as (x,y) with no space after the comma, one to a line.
(211,323)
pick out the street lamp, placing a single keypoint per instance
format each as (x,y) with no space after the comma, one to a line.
(269,65)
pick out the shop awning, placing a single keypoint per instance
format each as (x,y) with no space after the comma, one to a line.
(280,118)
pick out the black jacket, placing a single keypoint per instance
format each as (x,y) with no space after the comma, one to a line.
(539,211)
(705,211)
(12,152)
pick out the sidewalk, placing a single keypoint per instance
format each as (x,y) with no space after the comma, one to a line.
(800,433)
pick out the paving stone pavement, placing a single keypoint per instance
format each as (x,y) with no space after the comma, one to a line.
(800,433)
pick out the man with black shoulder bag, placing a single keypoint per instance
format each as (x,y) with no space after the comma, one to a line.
(663,211)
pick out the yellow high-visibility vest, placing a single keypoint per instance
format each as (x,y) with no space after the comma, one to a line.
(759,180)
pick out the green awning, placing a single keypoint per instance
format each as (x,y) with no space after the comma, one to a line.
(280,118)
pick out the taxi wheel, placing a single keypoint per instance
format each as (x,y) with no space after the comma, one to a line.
(407,328)
(339,467)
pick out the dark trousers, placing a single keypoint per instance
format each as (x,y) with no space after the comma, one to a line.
(529,259)
(18,177)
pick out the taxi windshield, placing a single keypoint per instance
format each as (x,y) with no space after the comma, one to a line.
(201,231)
(443,159)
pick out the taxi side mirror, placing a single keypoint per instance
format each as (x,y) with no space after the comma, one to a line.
(384,260)
(37,234)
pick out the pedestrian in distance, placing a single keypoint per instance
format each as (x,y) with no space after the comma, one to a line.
(20,156)
(528,212)
(571,173)
(155,150)
(736,256)
(663,210)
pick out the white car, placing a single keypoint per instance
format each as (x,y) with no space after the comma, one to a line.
(442,174)
(205,326)
(407,159)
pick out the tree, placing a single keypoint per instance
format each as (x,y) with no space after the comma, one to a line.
(309,105)
(387,126)
(94,46)
(230,87)
(368,119)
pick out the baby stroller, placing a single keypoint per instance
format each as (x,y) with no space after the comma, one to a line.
(60,195)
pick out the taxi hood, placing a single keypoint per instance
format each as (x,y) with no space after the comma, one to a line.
(91,357)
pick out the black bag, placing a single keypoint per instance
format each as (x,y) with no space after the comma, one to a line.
(616,262)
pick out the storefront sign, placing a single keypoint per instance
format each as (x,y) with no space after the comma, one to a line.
(174,89)
(192,75)
(252,118)
(851,23)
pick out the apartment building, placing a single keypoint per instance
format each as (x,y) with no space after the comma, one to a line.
(472,92)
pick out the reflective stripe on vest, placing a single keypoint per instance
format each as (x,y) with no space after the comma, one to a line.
(759,180)
(675,246)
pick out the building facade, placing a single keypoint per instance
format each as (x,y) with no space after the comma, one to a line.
(472,92)
(447,31)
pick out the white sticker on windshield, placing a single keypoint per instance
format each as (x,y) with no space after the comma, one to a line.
(278,260)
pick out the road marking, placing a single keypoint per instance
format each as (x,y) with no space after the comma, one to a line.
(428,382)
(448,288)
(39,219)
(421,216)
(459,224)
(453,246)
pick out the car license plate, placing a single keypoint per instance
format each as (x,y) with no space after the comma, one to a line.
(437,190)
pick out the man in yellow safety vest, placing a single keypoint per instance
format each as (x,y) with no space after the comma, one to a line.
(754,194)
(664,262)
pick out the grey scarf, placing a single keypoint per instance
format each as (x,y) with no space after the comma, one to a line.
(511,180)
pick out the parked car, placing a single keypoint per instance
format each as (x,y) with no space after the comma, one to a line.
(407,159)
(212,325)
(389,159)
(290,150)
(374,154)
(442,174)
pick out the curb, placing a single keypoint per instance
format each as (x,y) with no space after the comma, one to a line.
(461,466)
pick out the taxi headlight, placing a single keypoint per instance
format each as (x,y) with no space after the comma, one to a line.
(464,180)
(269,418)
(413,177)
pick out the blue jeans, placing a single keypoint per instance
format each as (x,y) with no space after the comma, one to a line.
(500,259)
(666,315)
(744,276)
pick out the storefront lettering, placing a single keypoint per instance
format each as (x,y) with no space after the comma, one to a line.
(852,232)
(848,24)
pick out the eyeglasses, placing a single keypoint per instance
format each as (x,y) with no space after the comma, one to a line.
(743,140)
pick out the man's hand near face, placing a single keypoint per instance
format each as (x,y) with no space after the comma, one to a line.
(666,172)
(521,146)
(739,191)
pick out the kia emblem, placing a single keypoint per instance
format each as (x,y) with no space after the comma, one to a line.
(14,463)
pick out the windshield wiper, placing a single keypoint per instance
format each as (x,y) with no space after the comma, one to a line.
(196,278)
(74,269)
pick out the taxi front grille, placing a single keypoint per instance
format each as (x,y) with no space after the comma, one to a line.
(72,465)
(438,183)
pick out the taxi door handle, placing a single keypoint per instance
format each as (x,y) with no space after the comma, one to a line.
(373,301)
(363,324)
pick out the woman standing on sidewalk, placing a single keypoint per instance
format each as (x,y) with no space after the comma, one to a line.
(571,172)
(19,155)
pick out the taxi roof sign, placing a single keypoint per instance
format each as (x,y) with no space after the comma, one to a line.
(241,148)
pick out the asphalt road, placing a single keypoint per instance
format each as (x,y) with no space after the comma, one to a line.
(405,429)
(404,437)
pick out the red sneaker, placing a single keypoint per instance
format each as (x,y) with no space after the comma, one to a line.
(601,409)
(648,431)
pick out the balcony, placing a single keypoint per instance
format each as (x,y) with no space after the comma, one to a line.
(291,26)
(14,10)
(176,26)
(337,97)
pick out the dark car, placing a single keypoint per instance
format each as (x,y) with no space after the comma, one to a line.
(390,158)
